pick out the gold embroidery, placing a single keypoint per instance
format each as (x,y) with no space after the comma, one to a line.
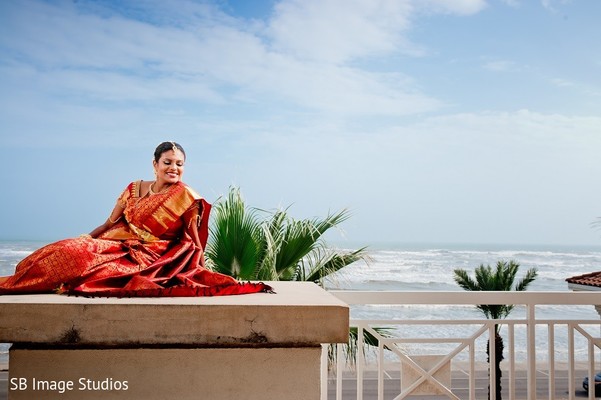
(144,235)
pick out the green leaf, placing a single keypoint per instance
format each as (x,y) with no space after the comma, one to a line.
(234,247)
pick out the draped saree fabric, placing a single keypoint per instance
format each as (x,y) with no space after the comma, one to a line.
(155,249)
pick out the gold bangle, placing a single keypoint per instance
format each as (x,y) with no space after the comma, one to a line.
(115,221)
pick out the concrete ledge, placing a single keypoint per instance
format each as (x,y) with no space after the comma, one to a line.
(300,314)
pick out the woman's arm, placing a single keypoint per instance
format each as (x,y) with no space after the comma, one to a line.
(190,218)
(115,216)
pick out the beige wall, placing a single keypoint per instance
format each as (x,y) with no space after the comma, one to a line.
(229,373)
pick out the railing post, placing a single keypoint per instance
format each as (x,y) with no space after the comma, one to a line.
(551,360)
(324,371)
(360,361)
(592,386)
(472,376)
(380,370)
(571,361)
(531,351)
(492,361)
(339,370)
(511,343)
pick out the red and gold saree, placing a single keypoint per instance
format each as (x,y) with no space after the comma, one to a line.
(155,249)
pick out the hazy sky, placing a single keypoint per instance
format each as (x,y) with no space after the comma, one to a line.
(463,121)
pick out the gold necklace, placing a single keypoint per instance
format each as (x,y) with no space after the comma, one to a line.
(150,191)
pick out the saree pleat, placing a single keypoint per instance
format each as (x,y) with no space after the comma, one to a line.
(157,249)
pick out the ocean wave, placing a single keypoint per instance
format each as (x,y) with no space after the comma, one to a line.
(419,270)
(12,253)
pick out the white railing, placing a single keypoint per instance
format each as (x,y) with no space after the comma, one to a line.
(567,345)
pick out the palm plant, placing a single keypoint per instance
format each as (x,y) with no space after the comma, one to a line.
(277,247)
(274,248)
(501,279)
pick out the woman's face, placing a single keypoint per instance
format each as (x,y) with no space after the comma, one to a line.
(170,167)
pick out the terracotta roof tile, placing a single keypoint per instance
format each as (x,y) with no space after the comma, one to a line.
(590,279)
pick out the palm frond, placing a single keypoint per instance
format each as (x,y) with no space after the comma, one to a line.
(271,246)
(484,277)
(530,276)
(322,263)
(298,238)
(234,246)
(464,280)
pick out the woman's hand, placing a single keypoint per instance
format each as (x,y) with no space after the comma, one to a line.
(115,216)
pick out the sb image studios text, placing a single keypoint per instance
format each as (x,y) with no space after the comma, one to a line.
(63,386)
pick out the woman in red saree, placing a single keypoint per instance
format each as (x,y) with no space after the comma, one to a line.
(152,244)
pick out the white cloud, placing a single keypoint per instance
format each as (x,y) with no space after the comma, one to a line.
(539,129)
(459,7)
(501,66)
(582,89)
(111,57)
(339,31)
(458,139)
(547,4)
(336,31)
(341,90)
(504,174)
(319,94)
(562,82)
(550,5)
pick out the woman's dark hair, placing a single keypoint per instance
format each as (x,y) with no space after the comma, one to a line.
(166,146)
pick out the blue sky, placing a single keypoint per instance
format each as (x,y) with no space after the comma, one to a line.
(459,121)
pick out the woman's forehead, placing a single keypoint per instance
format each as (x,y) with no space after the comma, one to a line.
(173,155)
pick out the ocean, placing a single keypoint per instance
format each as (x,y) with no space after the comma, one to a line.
(427,267)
